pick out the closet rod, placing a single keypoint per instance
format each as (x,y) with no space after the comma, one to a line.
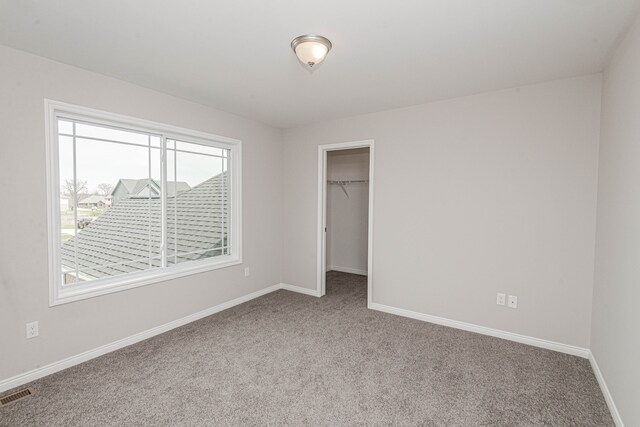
(343,184)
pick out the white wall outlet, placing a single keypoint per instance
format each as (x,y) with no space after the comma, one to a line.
(501,299)
(247,272)
(513,301)
(32,329)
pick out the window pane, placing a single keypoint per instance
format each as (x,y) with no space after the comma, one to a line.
(67,203)
(65,127)
(197,221)
(101,132)
(117,218)
(155,207)
(199,148)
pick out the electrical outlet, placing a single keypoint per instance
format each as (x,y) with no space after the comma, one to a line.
(513,301)
(501,299)
(32,329)
(247,272)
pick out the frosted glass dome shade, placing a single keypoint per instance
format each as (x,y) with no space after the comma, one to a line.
(311,49)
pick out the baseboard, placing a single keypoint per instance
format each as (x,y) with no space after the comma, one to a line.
(348,270)
(299,289)
(605,391)
(536,342)
(43,371)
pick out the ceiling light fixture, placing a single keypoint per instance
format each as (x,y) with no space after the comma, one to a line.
(311,50)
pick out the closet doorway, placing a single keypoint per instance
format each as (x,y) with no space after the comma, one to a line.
(345,211)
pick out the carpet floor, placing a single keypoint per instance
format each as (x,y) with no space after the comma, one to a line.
(292,359)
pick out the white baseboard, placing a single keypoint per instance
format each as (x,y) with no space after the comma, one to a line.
(536,342)
(605,391)
(299,289)
(347,270)
(35,374)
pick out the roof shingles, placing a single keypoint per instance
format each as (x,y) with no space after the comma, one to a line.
(127,237)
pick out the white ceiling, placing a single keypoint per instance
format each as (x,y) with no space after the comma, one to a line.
(235,55)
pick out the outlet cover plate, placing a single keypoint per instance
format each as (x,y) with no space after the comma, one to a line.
(32,329)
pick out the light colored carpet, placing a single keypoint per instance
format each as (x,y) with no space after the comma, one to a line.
(291,359)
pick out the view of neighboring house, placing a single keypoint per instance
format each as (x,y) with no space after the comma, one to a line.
(127,236)
(137,188)
(95,201)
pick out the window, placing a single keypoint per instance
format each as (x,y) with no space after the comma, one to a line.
(133,202)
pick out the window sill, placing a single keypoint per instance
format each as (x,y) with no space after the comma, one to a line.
(71,293)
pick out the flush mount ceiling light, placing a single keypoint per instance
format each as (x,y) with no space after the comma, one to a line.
(311,50)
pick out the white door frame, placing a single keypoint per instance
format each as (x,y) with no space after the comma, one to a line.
(322,212)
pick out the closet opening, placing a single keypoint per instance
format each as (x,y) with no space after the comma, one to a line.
(345,219)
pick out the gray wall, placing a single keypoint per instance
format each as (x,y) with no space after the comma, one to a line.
(615,336)
(348,217)
(70,329)
(476,195)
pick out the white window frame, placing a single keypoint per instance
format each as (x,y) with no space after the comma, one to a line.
(59,294)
